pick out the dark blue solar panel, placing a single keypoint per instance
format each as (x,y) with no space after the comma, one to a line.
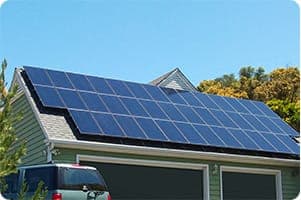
(84,122)
(251,107)
(224,119)
(191,133)
(189,113)
(59,79)
(153,109)
(240,121)
(173,95)
(108,125)
(227,137)
(289,142)
(129,110)
(119,88)
(236,105)
(220,101)
(255,122)
(93,101)
(265,109)
(71,99)
(37,76)
(80,82)
(242,137)
(279,146)
(151,129)
(209,136)
(171,132)
(156,93)
(114,104)
(172,111)
(285,127)
(269,124)
(100,85)
(138,90)
(206,101)
(49,97)
(260,141)
(134,107)
(207,116)
(190,98)
(130,127)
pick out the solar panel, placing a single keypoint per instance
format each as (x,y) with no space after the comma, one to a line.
(114,108)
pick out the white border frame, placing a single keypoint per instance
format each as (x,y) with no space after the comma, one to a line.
(152,163)
(276,173)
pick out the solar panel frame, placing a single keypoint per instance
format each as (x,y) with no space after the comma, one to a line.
(49,96)
(212,120)
(84,122)
(59,79)
(80,82)
(38,76)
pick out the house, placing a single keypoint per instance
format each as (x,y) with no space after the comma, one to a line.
(152,142)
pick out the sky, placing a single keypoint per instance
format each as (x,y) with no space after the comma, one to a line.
(141,40)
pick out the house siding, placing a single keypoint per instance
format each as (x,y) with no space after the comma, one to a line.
(290,175)
(28,130)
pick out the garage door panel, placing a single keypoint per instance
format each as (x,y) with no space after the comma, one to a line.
(151,183)
(237,186)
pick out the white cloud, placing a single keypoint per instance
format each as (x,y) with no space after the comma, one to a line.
(2,2)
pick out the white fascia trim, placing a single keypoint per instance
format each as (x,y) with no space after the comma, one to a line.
(276,173)
(152,163)
(153,151)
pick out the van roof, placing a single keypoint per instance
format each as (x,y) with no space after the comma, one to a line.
(58,165)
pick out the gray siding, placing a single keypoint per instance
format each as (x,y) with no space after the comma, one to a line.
(177,81)
(28,130)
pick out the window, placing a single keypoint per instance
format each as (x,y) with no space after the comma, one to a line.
(35,175)
(12,183)
(75,179)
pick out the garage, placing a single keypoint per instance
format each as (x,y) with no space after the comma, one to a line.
(157,182)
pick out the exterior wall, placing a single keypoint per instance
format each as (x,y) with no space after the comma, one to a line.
(28,130)
(290,176)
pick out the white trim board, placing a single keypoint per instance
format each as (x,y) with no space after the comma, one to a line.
(152,163)
(247,170)
(174,153)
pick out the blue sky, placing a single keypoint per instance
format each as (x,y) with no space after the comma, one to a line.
(141,40)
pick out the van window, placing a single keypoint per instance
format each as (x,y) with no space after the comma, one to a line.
(11,182)
(75,179)
(35,175)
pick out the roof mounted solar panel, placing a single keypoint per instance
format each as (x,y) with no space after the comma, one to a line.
(125,110)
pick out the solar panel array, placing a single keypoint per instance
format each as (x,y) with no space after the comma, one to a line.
(122,109)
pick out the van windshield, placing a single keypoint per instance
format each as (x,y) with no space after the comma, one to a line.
(76,179)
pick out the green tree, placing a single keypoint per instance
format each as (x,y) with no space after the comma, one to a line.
(10,157)
(10,154)
(280,89)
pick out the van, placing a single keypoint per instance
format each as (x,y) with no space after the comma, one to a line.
(63,182)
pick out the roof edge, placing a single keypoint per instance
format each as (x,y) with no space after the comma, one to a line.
(160,80)
(18,78)
(153,151)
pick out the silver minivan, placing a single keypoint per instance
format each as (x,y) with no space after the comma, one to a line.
(63,182)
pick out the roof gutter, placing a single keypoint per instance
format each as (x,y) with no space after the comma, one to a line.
(175,153)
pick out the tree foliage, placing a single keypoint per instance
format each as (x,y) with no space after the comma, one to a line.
(9,156)
(280,89)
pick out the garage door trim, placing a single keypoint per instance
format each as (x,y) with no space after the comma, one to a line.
(152,163)
(276,173)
